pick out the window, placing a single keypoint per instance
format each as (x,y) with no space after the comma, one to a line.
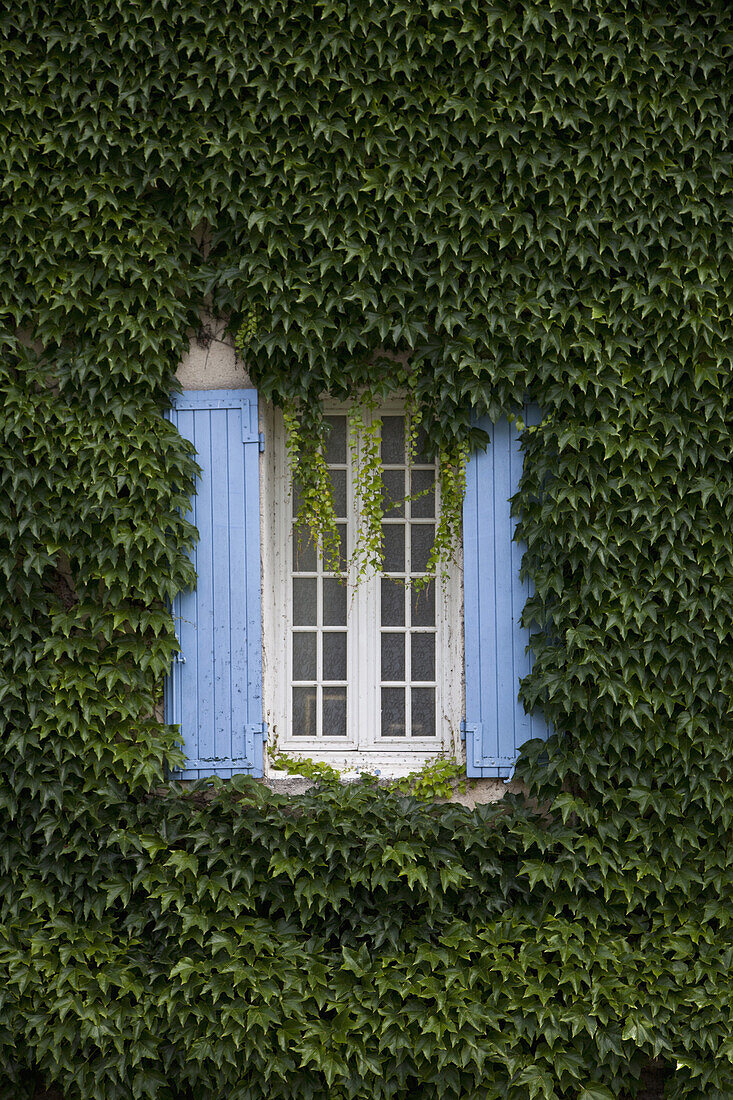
(365,675)
(368,677)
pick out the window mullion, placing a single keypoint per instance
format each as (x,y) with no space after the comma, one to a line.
(363,645)
(370,618)
(359,676)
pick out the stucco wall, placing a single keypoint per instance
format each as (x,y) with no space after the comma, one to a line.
(211,363)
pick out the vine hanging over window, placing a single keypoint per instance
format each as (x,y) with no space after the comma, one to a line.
(307,433)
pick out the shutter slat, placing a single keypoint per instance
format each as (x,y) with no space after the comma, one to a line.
(202,600)
(216,695)
(520,636)
(503,530)
(184,607)
(222,502)
(495,642)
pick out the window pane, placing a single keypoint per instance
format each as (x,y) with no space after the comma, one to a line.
(336,441)
(422,491)
(334,603)
(422,537)
(393,602)
(394,547)
(334,656)
(393,712)
(423,712)
(304,601)
(422,605)
(393,656)
(304,712)
(334,712)
(423,657)
(304,552)
(338,478)
(393,440)
(394,492)
(304,656)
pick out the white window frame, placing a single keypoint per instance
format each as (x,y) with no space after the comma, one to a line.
(365,750)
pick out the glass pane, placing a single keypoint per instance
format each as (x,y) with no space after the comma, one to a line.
(304,552)
(393,602)
(304,712)
(394,492)
(393,656)
(422,537)
(304,601)
(422,605)
(336,440)
(422,491)
(334,712)
(394,547)
(338,478)
(295,498)
(393,440)
(423,657)
(334,656)
(334,603)
(304,656)
(393,712)
(423,712)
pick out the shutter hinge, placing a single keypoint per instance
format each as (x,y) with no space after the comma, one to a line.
(178,657)
(257,729)
(262,441)
(468,728)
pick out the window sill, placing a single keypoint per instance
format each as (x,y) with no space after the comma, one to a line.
(351,764)
(478,791)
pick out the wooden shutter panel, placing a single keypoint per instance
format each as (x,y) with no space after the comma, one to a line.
(214,690)
(496,658)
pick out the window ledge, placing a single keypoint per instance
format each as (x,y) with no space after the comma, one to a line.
(478,791)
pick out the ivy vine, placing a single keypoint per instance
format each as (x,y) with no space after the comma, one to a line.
(438,778)
(316,515)
(368,488)
(471,202)
(306,436)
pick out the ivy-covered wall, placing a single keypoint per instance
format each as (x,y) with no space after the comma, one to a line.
(529,198)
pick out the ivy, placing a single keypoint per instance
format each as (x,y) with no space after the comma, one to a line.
(365,439)
(474,204)
(316,514)
(452,490)
(438,778)
(306,440)
(304,767)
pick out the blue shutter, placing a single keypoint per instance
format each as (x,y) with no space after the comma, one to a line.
(214,690)
(496,658)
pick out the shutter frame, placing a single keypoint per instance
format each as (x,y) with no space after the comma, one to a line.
(496,656)
(215,691)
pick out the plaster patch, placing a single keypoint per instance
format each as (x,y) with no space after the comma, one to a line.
(211,362)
